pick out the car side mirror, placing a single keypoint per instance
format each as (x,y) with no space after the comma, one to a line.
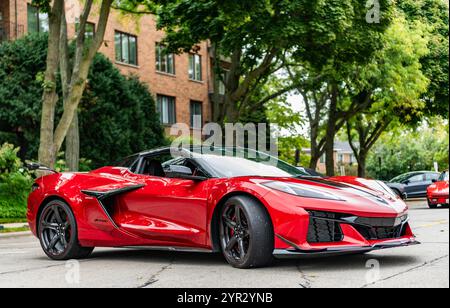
(32,166)
(182,172)
(433,181)
(406,182)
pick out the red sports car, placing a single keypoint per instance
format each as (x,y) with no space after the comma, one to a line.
(246,206)
(437,193)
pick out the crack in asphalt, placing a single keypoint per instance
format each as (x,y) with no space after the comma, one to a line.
(153,279)
(307,283)
(425,264)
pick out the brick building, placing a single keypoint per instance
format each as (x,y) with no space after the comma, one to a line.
(181,83)
(344,160)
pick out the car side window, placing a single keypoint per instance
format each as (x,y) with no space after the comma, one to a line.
(196,171)
(153,164)
(430,177)
(416,178)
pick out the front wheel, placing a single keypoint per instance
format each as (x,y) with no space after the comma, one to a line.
(246,233)
(432,205)
(58,233)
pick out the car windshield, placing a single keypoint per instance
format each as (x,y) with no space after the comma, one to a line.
(444,176)
(236,163)
(401,178)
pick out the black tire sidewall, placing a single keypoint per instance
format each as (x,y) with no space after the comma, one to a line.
(73,242)
(260,227)
(430,205)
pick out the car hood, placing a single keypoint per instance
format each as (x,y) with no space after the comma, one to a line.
(352,198)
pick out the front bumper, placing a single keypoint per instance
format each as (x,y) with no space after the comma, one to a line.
(441,199)
(342,250)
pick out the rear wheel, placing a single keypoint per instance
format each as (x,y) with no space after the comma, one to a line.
(58,233)
(246,233)
(432,205)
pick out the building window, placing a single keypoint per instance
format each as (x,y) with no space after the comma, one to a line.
(37,20)
(341,158)
(322,159)
(89,30)
(196,115)
(166,109)
(195,67)
(165,62)
(221,83)
(126,48)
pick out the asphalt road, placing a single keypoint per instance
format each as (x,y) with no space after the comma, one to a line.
(23,264)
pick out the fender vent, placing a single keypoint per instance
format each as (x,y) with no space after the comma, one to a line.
(322,228)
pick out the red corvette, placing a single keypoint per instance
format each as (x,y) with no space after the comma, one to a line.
(249,209)
(437,193)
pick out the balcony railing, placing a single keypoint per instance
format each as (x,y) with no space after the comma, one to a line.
(10,31)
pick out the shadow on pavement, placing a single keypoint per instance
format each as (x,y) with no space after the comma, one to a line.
(216,259)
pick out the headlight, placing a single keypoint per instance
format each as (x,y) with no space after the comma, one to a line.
(300,190)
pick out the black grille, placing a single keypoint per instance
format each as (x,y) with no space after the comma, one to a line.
(380,233)
(322,230)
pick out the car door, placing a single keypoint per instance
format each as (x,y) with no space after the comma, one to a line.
(415,186)
(167,211)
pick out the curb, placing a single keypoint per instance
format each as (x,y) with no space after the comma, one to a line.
(15,234)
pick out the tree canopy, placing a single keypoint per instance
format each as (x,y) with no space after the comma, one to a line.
(117,113)
(254,36)
(404,149)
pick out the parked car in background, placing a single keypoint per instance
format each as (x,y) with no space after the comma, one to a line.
(437,193)
(413,184)
(398,189)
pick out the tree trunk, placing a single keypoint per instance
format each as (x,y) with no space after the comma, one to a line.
(47,153)
(315,151)
(362,164)
(313,162)
(73,145)
(331,131)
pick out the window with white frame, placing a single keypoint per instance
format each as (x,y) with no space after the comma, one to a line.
(166,109)
(165,62)
(196,114)
(126,48)
(195,67)
(36,19)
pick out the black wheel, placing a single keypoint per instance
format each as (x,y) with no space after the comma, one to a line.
(246,233)
(431,205)
(58,233)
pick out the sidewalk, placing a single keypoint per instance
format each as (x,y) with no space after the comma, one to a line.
(15,225)
(11,226)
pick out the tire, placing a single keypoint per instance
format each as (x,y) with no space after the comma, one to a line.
(431,205)
(58,233)
(246,233)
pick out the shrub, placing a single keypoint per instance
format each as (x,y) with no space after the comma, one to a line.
(15,184)
(117,113)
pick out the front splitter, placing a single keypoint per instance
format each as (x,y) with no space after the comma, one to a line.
(338,251)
